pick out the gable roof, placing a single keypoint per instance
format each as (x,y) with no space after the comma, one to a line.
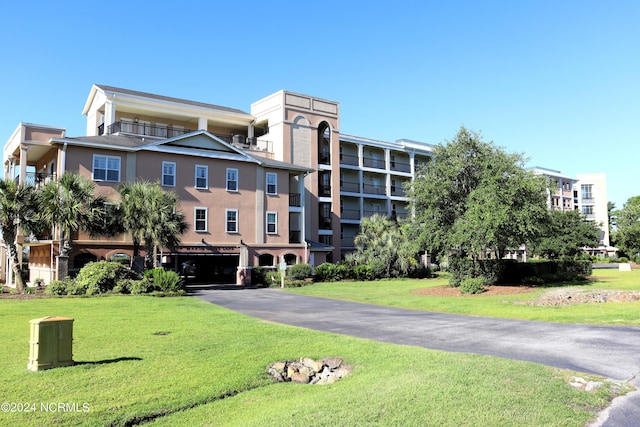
(198,143)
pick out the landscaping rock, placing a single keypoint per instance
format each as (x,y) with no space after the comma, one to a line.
(309,371)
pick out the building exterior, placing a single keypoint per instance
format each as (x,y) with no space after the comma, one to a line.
(590,194)
(279,184)
(586,193)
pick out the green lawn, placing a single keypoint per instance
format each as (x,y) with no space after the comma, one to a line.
(181,361)
(398,293)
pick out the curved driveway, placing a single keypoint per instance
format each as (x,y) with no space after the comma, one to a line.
(613,352)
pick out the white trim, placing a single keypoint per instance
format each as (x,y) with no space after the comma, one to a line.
(227,180)
(206,177)
(226,221)
(275,183)
(275,223)
(197,209)
(173,175)
(106,168)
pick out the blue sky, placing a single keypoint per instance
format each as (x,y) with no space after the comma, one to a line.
(555,80)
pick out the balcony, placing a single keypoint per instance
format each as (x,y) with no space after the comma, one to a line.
(400,166)
(324,191)
(294,200)
(380,190)
(145,129)
(397,191)
(372,162)
(325,223)
(347,242)
(350,214)
(351,187)
(349,159)
(294,236)
(371,212)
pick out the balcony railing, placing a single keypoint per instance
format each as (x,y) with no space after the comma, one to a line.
(347,242)
(145,129)
(349,159)
(397,191)
(352,187)
(350,214)
(37,179)
(325,223)
(294,236)
(374,189)
(294,199)
(400,166)
(324,191)
(371,162)
(324,158)
(368,213)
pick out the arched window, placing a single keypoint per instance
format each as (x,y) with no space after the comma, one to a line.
(324,143)
(265,260)
(290,259)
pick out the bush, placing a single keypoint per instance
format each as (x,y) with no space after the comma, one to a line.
(58,287)
(361,272)
(100,277)
(258,276)
(141,286)
(299,271)
(164,280)
(273,278)
(472,285)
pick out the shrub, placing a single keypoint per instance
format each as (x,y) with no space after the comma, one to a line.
(58,287)
(258,275)
(472,285)
(100,277)
(361,272)
(299,271)
(164,280)
(141,286)
(623,259)
(273,278)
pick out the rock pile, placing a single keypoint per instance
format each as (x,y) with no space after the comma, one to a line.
(309,371)
(571,296)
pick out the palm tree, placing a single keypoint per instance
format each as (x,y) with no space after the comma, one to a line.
(150,215)
(69,205)
(17,209)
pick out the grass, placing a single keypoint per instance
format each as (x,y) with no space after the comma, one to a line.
(398,293)
(181,361)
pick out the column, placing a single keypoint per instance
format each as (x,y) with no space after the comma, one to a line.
(203,123)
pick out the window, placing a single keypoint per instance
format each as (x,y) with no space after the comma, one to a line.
(587,191)
(232,179)
(202,176)
(169,174)
(587,210)
(232,220)
(272,183)
(272,222)
(106,168)
(200,219)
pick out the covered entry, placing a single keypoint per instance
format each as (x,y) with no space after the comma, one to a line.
(210,268)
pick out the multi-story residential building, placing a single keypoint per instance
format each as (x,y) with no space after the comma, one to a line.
(277,185)
(586,193)
(590,195)
(560,192)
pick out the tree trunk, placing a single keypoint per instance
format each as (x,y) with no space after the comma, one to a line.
(16,266)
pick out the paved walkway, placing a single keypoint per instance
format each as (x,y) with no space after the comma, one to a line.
(613,352)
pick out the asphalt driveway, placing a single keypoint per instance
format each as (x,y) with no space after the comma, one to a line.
(613,352)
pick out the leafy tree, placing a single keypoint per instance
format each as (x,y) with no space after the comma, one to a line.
(151,215)
(612,216)
(473,197)
(17,210)
(565,234)
(627,235)
(69,205)
(384,242)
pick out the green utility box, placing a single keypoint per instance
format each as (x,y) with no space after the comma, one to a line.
(50,343)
